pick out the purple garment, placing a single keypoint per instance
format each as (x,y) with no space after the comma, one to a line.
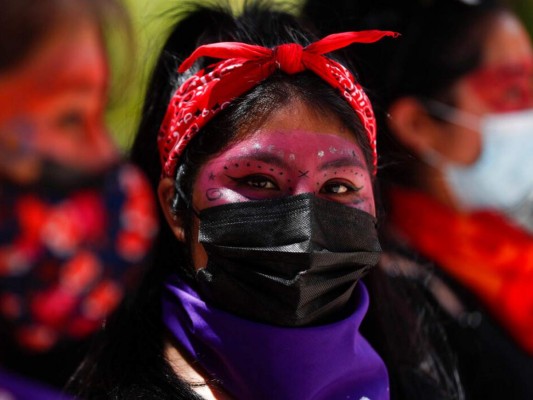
(259,361)
(14,387)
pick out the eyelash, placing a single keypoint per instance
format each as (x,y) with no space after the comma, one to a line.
(254,181)
(350,188)
(260,182)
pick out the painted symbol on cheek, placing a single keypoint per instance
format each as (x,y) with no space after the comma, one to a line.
(213,194)
(211,176)
(303,174)
(320,153)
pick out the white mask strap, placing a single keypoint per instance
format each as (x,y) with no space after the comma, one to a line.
(453,115)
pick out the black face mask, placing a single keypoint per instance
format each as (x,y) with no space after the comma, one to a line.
(291,261)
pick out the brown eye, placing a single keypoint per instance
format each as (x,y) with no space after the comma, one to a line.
(70,120)
(260,182)
(514,94)
(339,187)
(256,182)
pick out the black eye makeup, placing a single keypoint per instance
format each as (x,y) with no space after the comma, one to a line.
(255,181)
(339,187)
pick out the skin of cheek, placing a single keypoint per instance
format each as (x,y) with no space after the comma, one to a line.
(18,160)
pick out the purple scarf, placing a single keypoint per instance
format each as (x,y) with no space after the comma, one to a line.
(14,387)
(258,361)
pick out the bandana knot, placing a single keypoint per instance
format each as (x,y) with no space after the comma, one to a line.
(289,58)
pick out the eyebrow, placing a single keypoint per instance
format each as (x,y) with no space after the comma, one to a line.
(265,157)
(342,162)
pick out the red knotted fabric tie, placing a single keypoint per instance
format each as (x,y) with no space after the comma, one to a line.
(244,66)
(289,58)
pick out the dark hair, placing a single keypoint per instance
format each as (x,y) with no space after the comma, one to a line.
(442,41)
(25,24)
(130,362)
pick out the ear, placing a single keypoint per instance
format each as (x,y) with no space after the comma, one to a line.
(166,193)
(413,127)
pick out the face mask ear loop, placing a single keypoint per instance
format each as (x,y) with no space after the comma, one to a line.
(452,115)
(180,198)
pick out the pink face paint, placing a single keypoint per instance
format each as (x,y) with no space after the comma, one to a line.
(506,88)
(271,164)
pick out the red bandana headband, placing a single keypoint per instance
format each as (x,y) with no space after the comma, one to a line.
(244,66)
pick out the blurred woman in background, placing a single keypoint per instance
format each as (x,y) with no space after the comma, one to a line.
(75,225)
(458,103)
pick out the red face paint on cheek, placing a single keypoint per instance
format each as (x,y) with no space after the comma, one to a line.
(61,94)
(506,88)
(277,164)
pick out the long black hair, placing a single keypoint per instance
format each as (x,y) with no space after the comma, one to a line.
(128,361)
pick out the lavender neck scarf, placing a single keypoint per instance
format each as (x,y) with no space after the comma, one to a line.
(259,361)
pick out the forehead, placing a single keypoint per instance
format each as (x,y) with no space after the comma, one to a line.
(507,43)
(72,58)
(291,151)
(299,117)
(295,145)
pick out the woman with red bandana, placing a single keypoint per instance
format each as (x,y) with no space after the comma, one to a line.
(75,225)
(261,146)
(459,102)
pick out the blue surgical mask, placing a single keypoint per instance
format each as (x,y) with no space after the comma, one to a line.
(502,177)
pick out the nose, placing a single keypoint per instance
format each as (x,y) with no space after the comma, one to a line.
(102,146)
(305,184)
